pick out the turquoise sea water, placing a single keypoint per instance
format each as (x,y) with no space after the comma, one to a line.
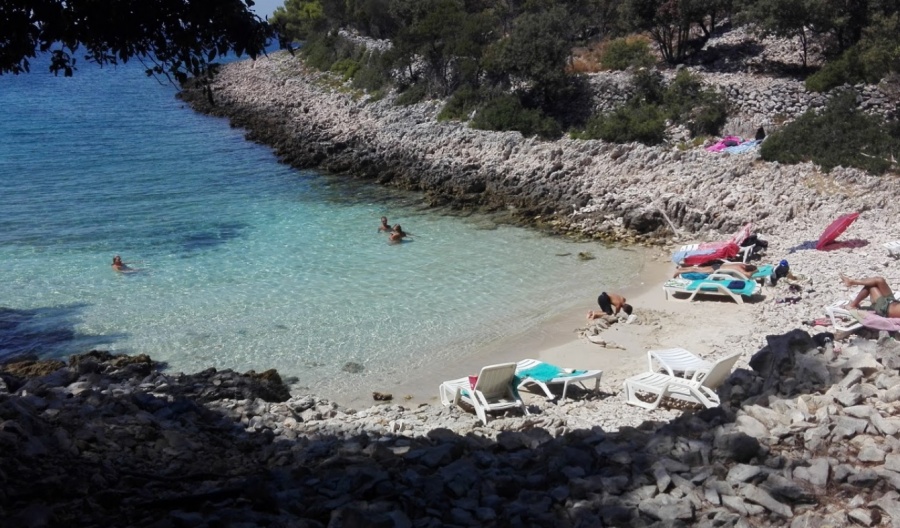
(245,263)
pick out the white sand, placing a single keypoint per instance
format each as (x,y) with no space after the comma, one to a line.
(661,324)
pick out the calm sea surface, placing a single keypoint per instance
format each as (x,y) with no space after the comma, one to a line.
(245,263)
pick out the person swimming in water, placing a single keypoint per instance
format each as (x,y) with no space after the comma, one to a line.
(385,226)
(120,266)
(398,234)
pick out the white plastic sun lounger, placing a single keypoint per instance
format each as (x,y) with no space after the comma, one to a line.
(545,374)
(666,386)
(493,391)
(678,362)
(841,319)
(714,284)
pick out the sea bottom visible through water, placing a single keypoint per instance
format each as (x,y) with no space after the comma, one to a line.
(244,263)
(310,288)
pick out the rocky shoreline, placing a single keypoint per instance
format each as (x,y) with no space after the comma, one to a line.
(630,192)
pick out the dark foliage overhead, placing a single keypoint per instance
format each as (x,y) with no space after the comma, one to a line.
(176,38)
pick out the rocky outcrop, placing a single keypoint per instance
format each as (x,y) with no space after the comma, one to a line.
(806,438)
(584,188)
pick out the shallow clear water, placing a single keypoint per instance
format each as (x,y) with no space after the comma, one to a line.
(244,263)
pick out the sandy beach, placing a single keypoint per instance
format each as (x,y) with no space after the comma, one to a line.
(559,340)
(710,326)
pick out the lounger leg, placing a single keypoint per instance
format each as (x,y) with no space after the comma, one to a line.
(631,397)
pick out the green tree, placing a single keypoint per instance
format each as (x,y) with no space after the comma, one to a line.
(534,54)
(873,58)
(668,22)
(784,19)
(297,19)
(174,38)
(844,135)
(440,42)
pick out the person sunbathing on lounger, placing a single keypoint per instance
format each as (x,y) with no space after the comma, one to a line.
(745,269)
(879,293)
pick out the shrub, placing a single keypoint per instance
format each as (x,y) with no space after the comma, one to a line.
(843,70)
(687,102)
(323,51)
(507,113)
(413,94)
(622,53)
(463,101)
(346,67)
(841,135)
(635,121)
(373,73)
(709,117)
(869,61)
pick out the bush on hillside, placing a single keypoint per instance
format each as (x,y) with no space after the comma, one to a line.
(347,68)
(846,69)
(869,61)
(323,51)
(373,73)
(635,121)
(688,102)
(841,135)
(413,94)
(507,113)
(622,53)
(461,104)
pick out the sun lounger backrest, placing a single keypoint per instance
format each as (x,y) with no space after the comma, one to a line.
(720,371)
(495,381)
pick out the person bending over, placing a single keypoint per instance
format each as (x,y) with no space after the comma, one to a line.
(610,304)
(879,293)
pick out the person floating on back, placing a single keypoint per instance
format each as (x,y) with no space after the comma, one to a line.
(610,304)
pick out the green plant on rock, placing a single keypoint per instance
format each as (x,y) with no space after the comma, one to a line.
(506,112)
(688,102)
(636,121)
(347,68)
(461,104)
(623,53)
(413,94)
(841,135)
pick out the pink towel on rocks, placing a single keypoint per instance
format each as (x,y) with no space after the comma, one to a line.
(876,322)
(725,142)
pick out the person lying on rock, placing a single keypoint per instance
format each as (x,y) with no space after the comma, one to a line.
(607,302)
(879,293)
